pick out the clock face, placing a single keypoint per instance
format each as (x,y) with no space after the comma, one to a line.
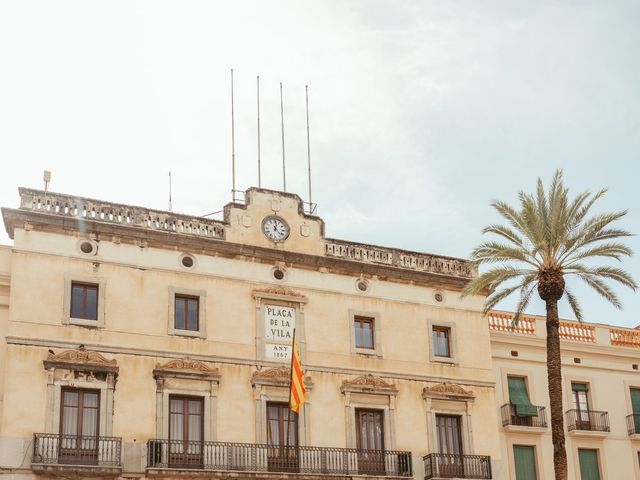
(275,228)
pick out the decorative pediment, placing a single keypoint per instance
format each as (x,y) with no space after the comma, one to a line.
(280,292)
(277,377)
(368,384)
(447,391)
(186,367)
(80,359)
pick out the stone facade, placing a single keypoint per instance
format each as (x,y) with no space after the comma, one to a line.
(250,290)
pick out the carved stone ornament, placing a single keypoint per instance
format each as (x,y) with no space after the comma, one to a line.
(186,367)
(81,359)
(447,391)
(368,384)
(280,292)
(277,377)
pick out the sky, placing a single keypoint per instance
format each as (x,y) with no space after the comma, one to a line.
(421,112)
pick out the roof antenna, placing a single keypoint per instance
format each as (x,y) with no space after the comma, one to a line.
(258,88)
(170,207)
(284,171)
(306,93)
(46,176)
(233,146)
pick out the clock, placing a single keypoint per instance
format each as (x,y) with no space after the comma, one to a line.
(275,228)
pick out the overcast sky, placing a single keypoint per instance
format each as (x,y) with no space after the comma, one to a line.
(421,112)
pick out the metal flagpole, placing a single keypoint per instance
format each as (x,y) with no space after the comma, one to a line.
(258,104)
(170,206)
(293,342)
(233,146)
(284,171)
(306,92)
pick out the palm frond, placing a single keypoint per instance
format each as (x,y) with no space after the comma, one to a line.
(573,303)
(526,291)
(505,232)
(497,297)
(612,250)
(602,288)
(491,252)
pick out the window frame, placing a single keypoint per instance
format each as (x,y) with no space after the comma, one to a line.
(534,448)
(374,318)
(447,336)
(186,298)
(453,348)
(201,296)
(100,283)
(362,320)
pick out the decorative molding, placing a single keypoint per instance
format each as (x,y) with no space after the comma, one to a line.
(369,384)
(276,377)
(279,292)
(448,391)
(80,359)
(186,367)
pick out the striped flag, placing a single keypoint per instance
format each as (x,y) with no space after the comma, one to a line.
(297,389)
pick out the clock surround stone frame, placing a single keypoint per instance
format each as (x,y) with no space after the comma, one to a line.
(280,219)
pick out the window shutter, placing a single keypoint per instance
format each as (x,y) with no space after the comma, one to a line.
(519,397)
(589,468)
(525,460)
(635,407)
(579,387)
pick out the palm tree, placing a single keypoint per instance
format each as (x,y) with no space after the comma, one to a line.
(550,239)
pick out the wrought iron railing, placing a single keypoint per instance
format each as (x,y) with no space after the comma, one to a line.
(590,420)
(249,457)
(509,417)
(443,465)
(633,424)
(52,448)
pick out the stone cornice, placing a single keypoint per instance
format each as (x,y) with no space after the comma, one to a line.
(369,384)
(448,391)
(278,292)
(186,367)
(80,359)
(276,377)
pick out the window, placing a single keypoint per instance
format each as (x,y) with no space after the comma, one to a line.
(79,426)
(364,332)
(370,441)
(441,339)
(525,461)
(522,410)
(441,345)
(282,432)
(635,408)
(449,432)
(185,431)
(589,465)
(186,313)
(579,394)
(84,301)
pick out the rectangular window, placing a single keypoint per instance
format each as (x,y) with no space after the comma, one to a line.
(635,408)
(364,327)
(370,441)
(79,426)
(519,398)
(441,344)
(185,431)
(579,393)
(282,436)
(589,466)
(186,313)
(525,461)
(84,301)
(449,433)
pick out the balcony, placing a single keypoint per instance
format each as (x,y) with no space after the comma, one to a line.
(633,425)
(443,465)
(176,456)
(70,454)
(511,421)
(590,421)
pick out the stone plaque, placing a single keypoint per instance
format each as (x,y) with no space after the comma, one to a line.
(279,323)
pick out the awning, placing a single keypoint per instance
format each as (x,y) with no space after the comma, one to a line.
(519,398)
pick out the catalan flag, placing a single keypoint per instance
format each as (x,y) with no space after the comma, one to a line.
(297,389)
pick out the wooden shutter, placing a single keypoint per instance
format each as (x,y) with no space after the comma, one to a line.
(589,468)
(525,460)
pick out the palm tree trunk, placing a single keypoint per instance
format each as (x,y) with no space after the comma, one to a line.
(554,377)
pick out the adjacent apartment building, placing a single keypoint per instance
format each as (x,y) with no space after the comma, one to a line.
(147,344)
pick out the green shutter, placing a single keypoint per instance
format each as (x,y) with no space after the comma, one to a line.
(519,397)
(589,469)
(579,387)
(635,407)
(525,458)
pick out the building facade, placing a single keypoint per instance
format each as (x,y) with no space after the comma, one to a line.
(146,344)
(601,398)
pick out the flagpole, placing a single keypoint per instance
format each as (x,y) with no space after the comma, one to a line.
(293,343)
